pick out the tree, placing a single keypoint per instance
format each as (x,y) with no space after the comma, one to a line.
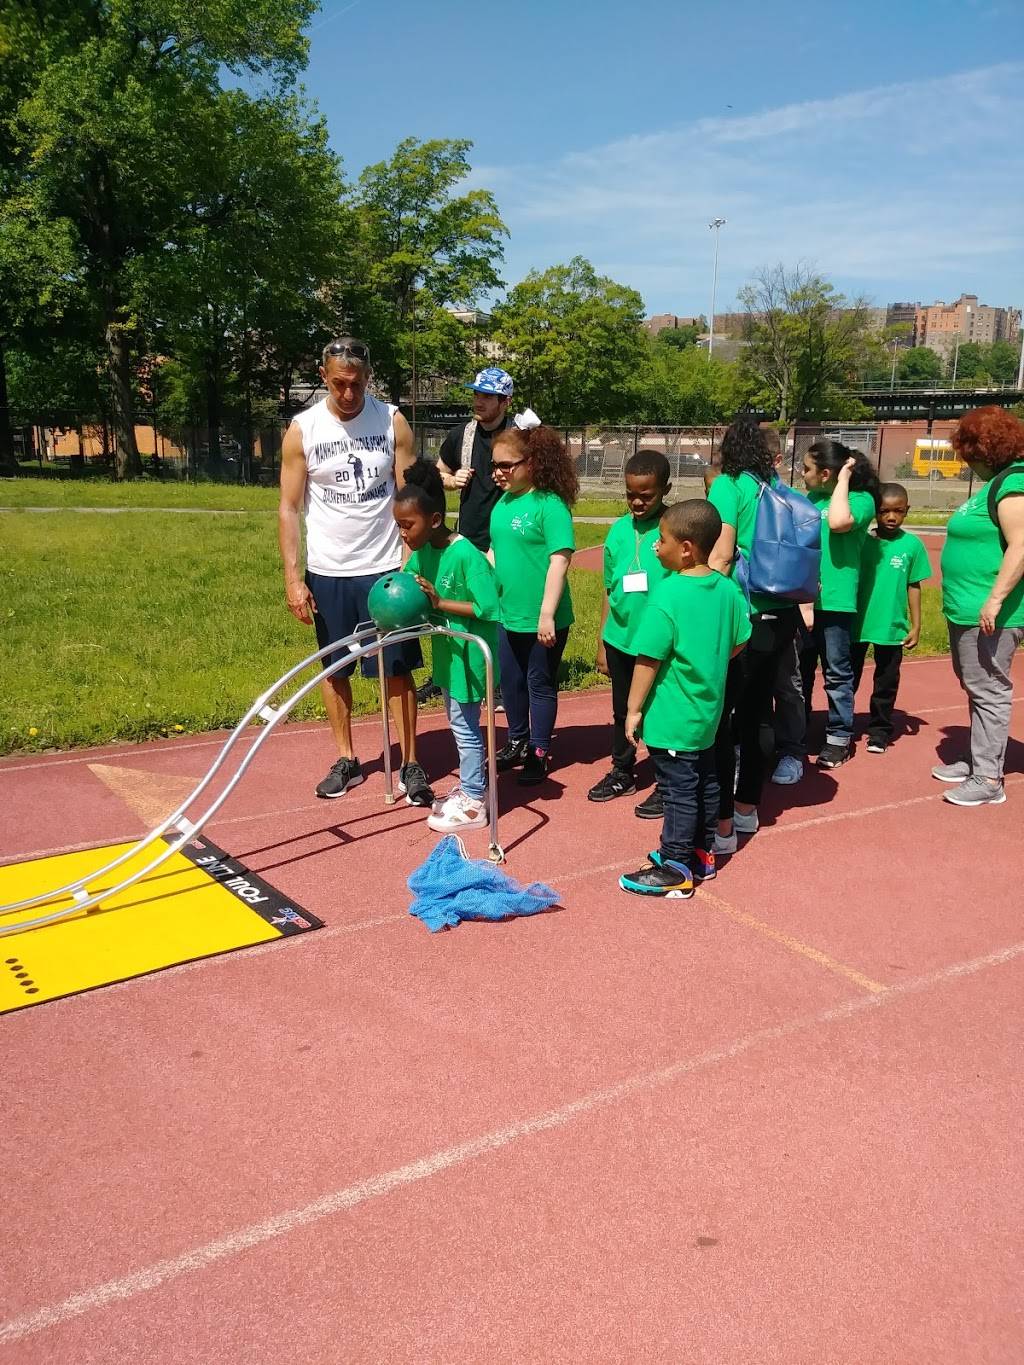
(805,344)
(680,338)
(687,387)
(424,246)
(921,365)
(119,96)
(1002,360)
(574,343)
(252,252)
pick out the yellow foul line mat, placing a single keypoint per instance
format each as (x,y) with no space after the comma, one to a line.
(198,903)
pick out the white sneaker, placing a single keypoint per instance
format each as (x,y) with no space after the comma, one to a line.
(725,844)
(745,824)
(459,812)
(788,771)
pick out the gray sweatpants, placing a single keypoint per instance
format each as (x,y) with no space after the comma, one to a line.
(982,666)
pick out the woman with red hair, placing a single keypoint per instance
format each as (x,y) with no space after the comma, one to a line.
(983,597)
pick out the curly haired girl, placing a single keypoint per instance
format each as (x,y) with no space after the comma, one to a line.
(532,542)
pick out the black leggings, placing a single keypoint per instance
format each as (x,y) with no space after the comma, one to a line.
(620,671)
(529,684)
(749,689)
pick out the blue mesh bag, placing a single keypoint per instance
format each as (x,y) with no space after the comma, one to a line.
(450,887)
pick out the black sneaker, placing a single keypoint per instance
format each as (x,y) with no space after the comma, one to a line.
(877,746)
(513,755)
(617,783)
(535,768)
(413,784)
(346,773)
(661,878)
(428,692)
(834,755)
(653,808)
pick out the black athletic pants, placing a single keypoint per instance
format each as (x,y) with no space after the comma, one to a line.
(620,672)
(885,685)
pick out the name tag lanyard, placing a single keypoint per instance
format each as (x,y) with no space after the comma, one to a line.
(636,579)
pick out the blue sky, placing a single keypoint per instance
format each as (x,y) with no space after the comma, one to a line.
(882,143)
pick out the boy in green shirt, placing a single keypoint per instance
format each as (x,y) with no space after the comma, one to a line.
(695,622)
(894,563)
(631,571)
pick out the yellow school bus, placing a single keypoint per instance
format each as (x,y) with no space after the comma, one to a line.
(935,458)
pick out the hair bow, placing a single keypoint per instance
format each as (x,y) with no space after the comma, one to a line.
(526,420)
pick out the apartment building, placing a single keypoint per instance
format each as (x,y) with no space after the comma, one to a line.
(939,325)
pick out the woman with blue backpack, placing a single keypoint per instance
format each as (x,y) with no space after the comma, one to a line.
(747,469)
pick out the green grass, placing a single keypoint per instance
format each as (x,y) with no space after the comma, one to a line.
(136,493)
(126,628)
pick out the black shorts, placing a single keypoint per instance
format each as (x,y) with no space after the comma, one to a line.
(341,607)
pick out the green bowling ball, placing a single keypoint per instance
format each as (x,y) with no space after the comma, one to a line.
(397,602)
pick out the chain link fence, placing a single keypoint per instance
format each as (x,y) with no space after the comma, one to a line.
(917,454)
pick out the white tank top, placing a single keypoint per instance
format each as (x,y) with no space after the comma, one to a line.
(350,490)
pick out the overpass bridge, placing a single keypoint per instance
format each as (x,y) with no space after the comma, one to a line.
(906,403)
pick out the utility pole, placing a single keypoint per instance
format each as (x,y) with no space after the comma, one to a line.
(715,225)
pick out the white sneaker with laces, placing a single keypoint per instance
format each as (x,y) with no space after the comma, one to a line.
(725,844)
(788,771)
(459,812)
(746,824)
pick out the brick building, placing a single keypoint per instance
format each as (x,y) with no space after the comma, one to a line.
(938,325)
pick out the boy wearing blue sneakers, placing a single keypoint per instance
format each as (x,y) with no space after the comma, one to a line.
(695,622)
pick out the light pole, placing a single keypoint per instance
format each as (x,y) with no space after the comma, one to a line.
(715,225)
(892,376)
(956,353)
(1020,367)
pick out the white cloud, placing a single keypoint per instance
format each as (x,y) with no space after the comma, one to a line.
(910,189)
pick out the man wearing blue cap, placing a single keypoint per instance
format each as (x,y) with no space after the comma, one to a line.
(465,456)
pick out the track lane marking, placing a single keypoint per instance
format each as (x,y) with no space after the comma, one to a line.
(423,1168)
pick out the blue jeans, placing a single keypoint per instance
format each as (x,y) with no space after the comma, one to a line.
(688,783)
(464,719)
(832,636)
(529,684)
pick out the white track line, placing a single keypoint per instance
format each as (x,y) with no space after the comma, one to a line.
(387,1182)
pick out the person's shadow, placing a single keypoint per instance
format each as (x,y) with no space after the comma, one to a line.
(955,746)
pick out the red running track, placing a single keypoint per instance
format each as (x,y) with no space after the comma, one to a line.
(779,1122)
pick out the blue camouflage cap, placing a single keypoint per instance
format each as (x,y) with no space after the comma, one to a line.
(493,380)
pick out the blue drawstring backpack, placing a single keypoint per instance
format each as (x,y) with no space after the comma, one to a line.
(450,887)
(785,556)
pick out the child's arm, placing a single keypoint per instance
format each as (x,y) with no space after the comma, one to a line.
(723,555)
(645,671)
(554,586)
(914,603)
(840,518)
(601,662)
(443,604)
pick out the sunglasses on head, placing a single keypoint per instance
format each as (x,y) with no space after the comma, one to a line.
(354,350)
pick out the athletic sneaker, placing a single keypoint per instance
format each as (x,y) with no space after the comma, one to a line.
(651,808)
(745,824)
(344,774)
(513,755)
(725,844)
(536,767)
(834,755)
(976,791)
(952,772)
(877,746)
(413,784)
(704,869)
(459,812)
(788,771)
(428,692)
(663,878)
(616,783)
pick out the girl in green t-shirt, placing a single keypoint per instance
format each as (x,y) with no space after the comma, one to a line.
(532,542)
(459,582)
(843,484)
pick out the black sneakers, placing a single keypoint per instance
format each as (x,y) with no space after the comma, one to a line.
(513,755)
(653,808)
(535,768)
(345,773)
(428,692)
(616,783)
(834,755)
(413,784)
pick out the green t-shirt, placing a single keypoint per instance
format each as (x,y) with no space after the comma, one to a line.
(629,549)
(887,569)
(460,573)
(692,624)
(526,530)
(840,554)
(971,558)
(735,497)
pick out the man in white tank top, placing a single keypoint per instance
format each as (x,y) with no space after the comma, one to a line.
(340,463)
